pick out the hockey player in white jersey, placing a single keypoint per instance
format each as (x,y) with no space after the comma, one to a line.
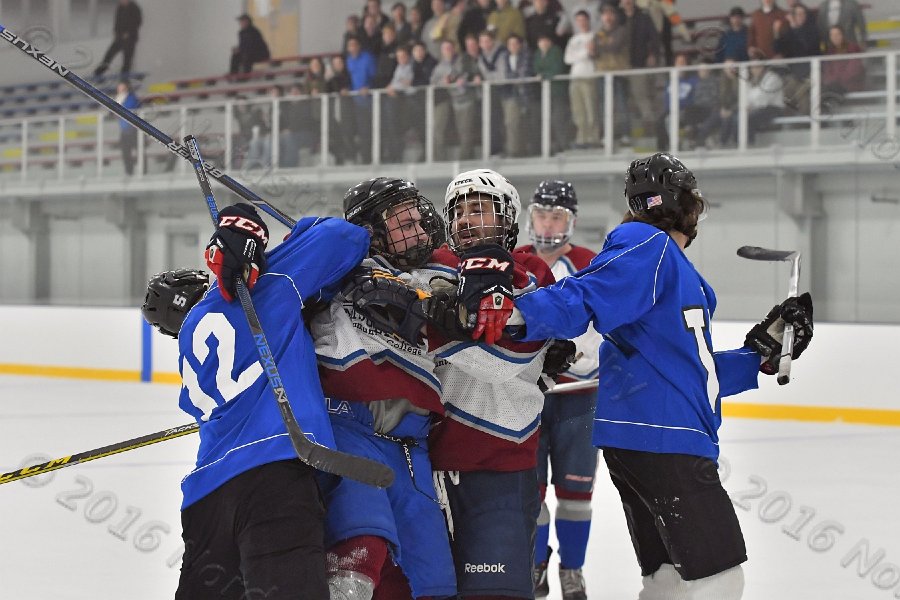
(381,392)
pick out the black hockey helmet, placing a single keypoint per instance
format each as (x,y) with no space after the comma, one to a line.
(170,295)
(559,200)
(368,204)
(658,180)
(556,193)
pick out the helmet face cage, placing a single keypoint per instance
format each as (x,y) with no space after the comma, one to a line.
(552,214)
(408,232)
(480,217)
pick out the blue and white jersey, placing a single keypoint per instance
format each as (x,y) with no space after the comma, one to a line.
(224,387)
(661,383)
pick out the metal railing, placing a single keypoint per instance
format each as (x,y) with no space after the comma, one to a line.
(524,118)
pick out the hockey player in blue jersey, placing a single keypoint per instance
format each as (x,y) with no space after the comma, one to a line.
(252,515)
(661,383)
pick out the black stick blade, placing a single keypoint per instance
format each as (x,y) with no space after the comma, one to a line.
(757,253)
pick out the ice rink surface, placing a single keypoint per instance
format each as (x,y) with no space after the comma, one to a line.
(819,503)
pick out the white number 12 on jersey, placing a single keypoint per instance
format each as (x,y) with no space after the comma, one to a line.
(216,325)
(695,321)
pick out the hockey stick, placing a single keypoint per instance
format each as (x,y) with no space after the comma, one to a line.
(113,106)
(574,386)
(315,455)
(83,457)
(787,343)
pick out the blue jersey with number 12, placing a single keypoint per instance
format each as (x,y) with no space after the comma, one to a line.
(661,384)
(224,387)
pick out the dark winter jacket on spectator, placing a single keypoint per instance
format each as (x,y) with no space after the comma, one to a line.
(384,69)
(251,44)
(128,20)
(422,70)
(474,21)
(733,45)
(643,39)
(547,23)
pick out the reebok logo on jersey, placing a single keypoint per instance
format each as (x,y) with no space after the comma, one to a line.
(485,568)
(484,263)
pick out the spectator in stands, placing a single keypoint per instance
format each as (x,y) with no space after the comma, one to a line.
(701,116)
(687,84)
(361,68)
(396,107)
(125,37)
(314,84)
(761,35)
(842,76)
(728,101)
(583,85)
(373,8)
(251,48)
(612,54)
(668,23)
(416,23)
(799,40)
(370,36)
(733,43)
(454,20)
(398,20)
(423,64)
(351,29)
(434,31)
(257,119)
(765,99)
(127,133)
(848,15)
(592,8)
(506,21)
(644,50)
(445,76)
(387,60)
(474,20)
(548,63)
(545,21)
(492,64)
(466,105)
(517,101)
(341,114)
(294,118)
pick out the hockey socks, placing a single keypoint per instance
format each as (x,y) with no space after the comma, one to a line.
(573,526)
(542,536)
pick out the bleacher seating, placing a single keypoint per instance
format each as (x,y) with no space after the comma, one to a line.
(53,96)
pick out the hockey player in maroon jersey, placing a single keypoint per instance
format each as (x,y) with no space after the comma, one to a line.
(567,418)
(484,449)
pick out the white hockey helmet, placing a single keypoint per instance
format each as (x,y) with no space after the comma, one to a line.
(506,207)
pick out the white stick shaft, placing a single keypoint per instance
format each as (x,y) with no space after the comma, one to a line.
(787,343)
(573,386)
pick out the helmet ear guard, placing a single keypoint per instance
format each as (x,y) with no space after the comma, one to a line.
(657,180)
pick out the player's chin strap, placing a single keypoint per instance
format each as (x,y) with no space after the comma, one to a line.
(443,498)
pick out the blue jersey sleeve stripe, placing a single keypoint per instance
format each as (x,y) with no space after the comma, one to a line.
(656,275)
(289,278)
(409,366)
(340,361)
(441,268)
(656,426)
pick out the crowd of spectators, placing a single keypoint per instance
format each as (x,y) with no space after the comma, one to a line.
(456,45)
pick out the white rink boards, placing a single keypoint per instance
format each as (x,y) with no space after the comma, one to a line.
(826,526)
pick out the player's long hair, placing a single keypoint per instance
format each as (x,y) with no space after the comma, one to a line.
(684,219)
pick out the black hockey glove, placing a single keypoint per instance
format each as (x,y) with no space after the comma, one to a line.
(486,290)
(390,305)
(443,312)
(237,247)
(766,336)
(559,357)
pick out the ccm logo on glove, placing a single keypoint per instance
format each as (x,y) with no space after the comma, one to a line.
(484,263)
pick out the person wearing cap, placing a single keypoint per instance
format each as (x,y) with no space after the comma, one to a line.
(251,48)
(733,43)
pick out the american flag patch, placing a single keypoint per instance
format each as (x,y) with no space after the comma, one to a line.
(654,201)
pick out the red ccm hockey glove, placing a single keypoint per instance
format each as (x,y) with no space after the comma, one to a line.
(485,290)
(237,247)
